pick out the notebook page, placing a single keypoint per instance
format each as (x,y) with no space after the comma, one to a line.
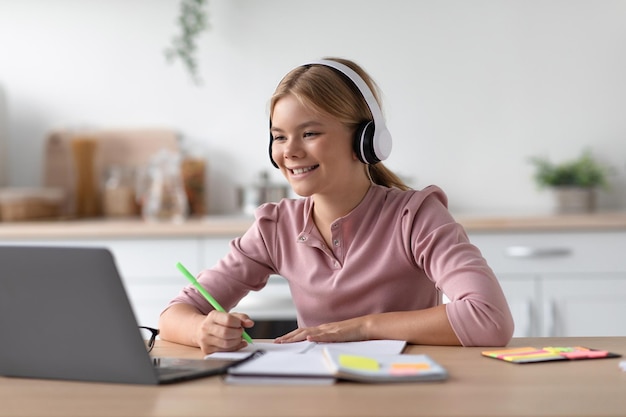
(371,347)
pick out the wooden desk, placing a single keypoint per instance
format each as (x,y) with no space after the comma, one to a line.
(477,386)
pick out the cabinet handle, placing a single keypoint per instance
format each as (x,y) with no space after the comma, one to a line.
(552,319)
(526,317)
(530,252)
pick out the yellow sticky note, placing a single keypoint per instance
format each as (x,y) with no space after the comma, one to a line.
(557,349)
(361,363)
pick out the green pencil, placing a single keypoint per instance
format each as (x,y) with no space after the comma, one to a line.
(206,295)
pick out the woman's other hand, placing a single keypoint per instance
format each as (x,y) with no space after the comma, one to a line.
(352,330)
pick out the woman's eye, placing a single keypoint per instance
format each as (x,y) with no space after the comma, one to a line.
(310,134)
(278,137)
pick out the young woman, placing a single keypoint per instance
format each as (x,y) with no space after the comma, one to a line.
(366,257)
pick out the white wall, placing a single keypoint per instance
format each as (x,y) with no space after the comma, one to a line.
(471,88)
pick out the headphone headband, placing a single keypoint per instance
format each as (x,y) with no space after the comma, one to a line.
(381,141)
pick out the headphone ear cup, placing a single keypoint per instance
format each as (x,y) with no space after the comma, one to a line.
(364,143)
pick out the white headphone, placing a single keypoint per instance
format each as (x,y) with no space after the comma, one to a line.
(372,141)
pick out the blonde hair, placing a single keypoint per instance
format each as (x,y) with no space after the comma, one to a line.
(326,90)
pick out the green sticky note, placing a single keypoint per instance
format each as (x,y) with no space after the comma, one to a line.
(360,363)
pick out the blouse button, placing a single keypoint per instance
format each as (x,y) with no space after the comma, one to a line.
(336,242)
(302,238)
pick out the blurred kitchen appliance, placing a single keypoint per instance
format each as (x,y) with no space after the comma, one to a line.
(114,147)
(264,191)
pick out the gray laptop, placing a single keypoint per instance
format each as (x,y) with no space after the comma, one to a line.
(64,314)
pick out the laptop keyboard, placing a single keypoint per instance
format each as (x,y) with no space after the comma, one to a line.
(170,371)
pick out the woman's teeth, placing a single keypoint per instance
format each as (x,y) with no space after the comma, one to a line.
(302,170)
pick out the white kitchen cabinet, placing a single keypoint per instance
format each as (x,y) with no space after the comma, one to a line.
(213,249)
(148,269)
(561,283)
(523,294)
(585,305)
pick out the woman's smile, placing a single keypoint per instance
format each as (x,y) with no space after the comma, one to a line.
(299,171)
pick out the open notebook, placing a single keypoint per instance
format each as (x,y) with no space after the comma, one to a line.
(387,347)
(325,363)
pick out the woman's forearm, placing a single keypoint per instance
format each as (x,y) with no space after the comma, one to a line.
(425,327)
(179,324)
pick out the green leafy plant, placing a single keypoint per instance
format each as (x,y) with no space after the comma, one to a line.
(583,172)
(191,21)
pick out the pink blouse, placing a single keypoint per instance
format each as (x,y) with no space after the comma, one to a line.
(396,251)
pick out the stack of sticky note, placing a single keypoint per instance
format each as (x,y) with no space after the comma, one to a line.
(531,354)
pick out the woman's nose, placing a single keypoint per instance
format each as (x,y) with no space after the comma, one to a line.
(292,149)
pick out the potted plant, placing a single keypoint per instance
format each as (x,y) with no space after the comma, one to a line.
(574,182)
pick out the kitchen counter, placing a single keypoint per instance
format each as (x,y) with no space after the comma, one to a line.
(217,226)
(210,226)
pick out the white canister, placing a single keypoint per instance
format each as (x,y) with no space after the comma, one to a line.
(252,196)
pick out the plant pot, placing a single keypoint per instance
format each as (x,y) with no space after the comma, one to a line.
(575,199)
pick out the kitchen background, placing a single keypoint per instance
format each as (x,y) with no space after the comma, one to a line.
(471,89)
